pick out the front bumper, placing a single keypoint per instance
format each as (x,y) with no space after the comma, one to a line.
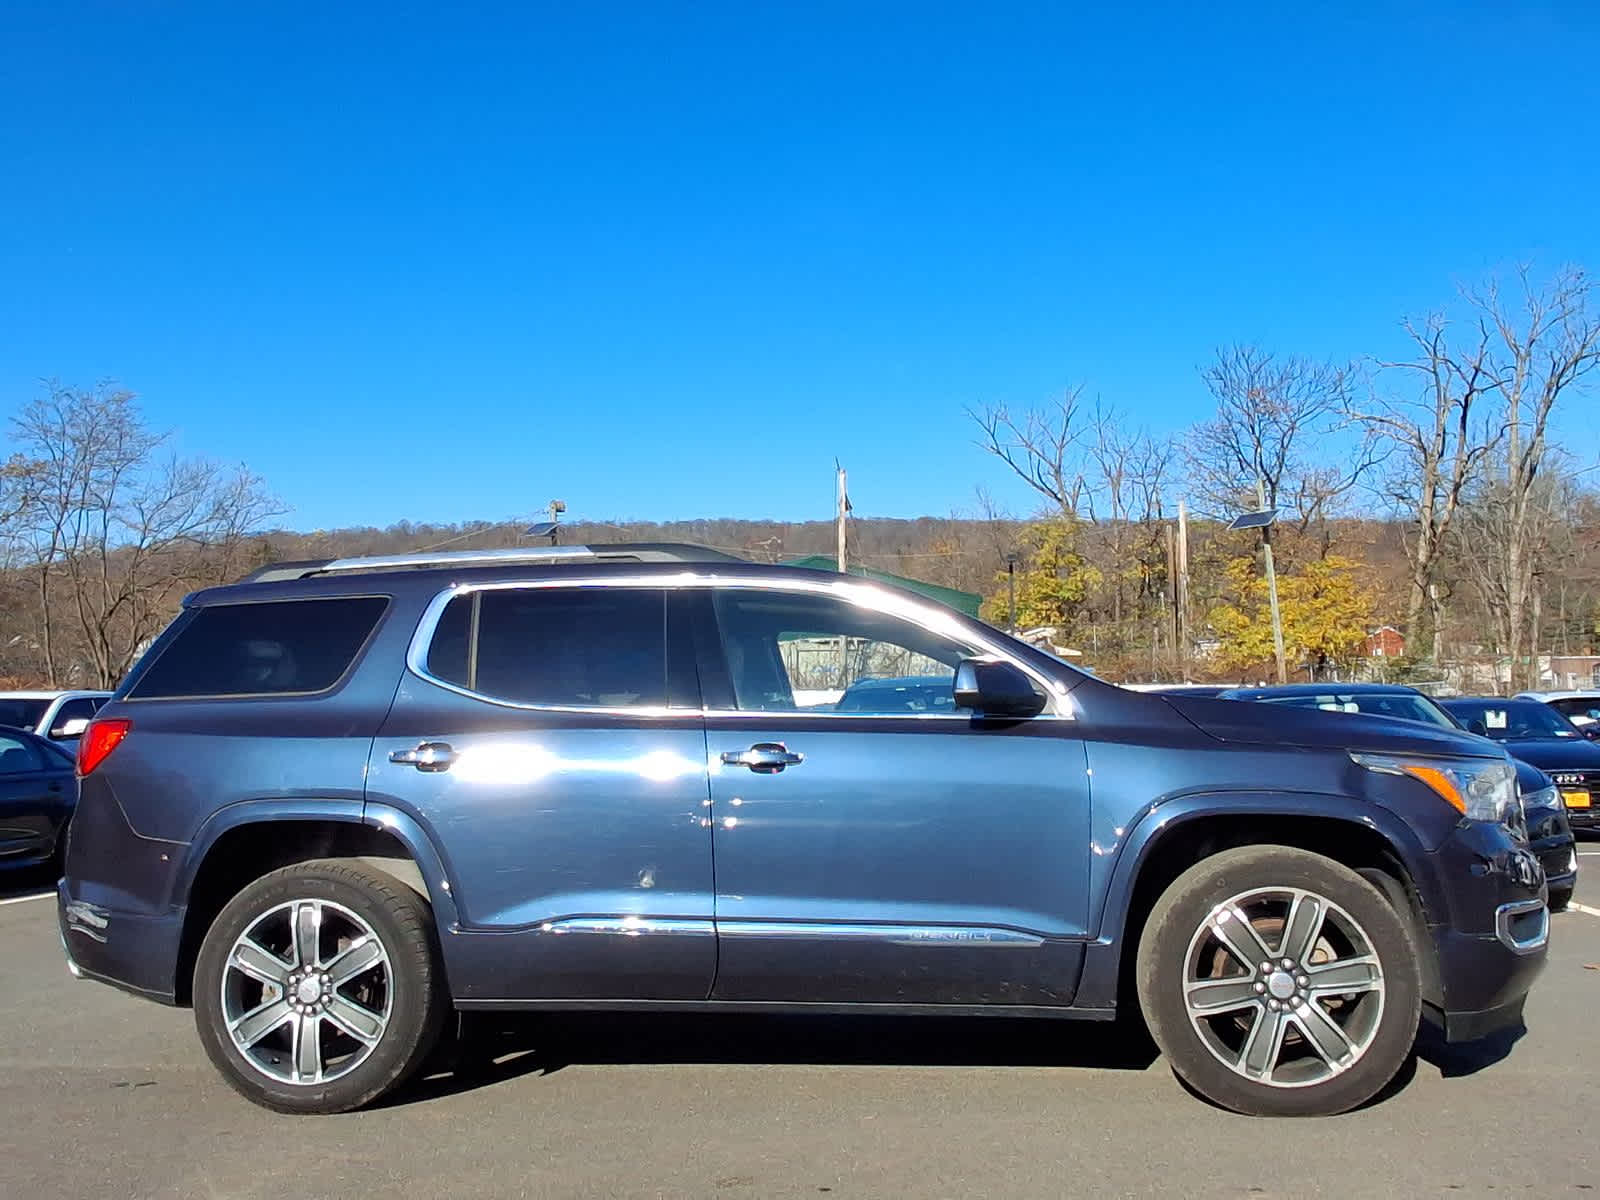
(132,951)
(1492,948)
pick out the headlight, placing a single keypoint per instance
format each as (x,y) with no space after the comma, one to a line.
(1567,779)
(1484,789)
(1549,797)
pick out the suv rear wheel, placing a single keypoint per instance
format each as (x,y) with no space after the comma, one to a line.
(318,988)
(1279,983)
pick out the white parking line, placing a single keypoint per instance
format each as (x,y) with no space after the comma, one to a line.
(1574,906)
(25,899)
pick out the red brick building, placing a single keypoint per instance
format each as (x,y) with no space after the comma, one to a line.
(1385,642)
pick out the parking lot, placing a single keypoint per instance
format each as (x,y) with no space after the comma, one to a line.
(110,1096)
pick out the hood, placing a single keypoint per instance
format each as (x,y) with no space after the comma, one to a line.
(1291,725)
(1557,754)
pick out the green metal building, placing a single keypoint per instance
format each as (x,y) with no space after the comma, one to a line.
(966,602)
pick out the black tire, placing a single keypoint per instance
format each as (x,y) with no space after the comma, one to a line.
(1559,899)
(416,998)
(1172,935)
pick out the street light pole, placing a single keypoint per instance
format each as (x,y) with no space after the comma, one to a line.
(1011,589)
(1272,586)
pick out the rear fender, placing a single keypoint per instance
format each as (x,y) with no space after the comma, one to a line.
(353,812)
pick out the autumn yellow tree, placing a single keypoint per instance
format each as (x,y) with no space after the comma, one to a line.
(1326,613)
(1053,578)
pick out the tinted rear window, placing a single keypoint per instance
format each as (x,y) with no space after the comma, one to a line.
(583,647)
(263,649)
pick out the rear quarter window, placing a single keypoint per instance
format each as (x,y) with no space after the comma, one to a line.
(278,647)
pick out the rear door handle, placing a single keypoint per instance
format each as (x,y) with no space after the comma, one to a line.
(765,758)
(428,756)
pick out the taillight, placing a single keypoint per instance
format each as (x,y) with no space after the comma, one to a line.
(98,741)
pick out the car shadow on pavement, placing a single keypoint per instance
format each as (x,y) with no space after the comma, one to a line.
(490,1050)
(1456,1060)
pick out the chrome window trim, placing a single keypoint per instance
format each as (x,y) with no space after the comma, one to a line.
(860,594)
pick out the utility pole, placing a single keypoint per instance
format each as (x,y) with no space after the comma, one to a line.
(1177,611)
(1272,585)
(844,640)
(844,507)
(1182,589)
(1011,590)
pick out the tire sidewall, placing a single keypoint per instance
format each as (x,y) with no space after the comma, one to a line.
(1163,955)
(415,1011)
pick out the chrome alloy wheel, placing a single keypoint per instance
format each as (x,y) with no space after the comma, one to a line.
(307,992)
(1283,986)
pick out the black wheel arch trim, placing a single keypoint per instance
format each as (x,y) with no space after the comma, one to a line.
(1098,984)
(344,810)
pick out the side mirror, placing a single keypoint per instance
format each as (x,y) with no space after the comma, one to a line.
(71,729)
(992,688)
(1478,727)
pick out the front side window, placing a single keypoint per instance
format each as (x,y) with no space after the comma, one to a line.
(564,647)
(276,647)
(800,651)
(17,757)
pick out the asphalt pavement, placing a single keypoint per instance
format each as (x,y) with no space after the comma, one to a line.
(110,1096)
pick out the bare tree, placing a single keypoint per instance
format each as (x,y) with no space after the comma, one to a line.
(1043,446)
(1545,343)
(1274,417)
(114,533)
(1441,433)
(1126,494)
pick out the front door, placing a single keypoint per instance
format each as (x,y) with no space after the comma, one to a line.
(873,843)
(560,767)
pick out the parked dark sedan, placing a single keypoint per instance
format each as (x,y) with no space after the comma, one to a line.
(1550,824)
(909,693)
(37,793)
(1538,734)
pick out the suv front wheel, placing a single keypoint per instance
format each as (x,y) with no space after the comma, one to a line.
(317,988)
(1279,983)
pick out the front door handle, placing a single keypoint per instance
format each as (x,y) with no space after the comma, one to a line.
(765,758)
(428,756)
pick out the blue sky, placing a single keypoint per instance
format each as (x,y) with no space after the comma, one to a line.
(667,260)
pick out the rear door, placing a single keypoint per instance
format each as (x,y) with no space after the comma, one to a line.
(554,749)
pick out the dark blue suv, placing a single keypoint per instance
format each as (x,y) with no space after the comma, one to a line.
(339,800)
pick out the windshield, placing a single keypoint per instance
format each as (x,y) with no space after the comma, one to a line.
(22,714)
(1401,706)
(1513,720)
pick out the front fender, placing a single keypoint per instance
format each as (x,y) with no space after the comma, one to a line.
(1169,818)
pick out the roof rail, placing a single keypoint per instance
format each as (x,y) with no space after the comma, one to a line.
(424,560)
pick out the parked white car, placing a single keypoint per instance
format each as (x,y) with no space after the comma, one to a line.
(60,716)
(1581,708)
